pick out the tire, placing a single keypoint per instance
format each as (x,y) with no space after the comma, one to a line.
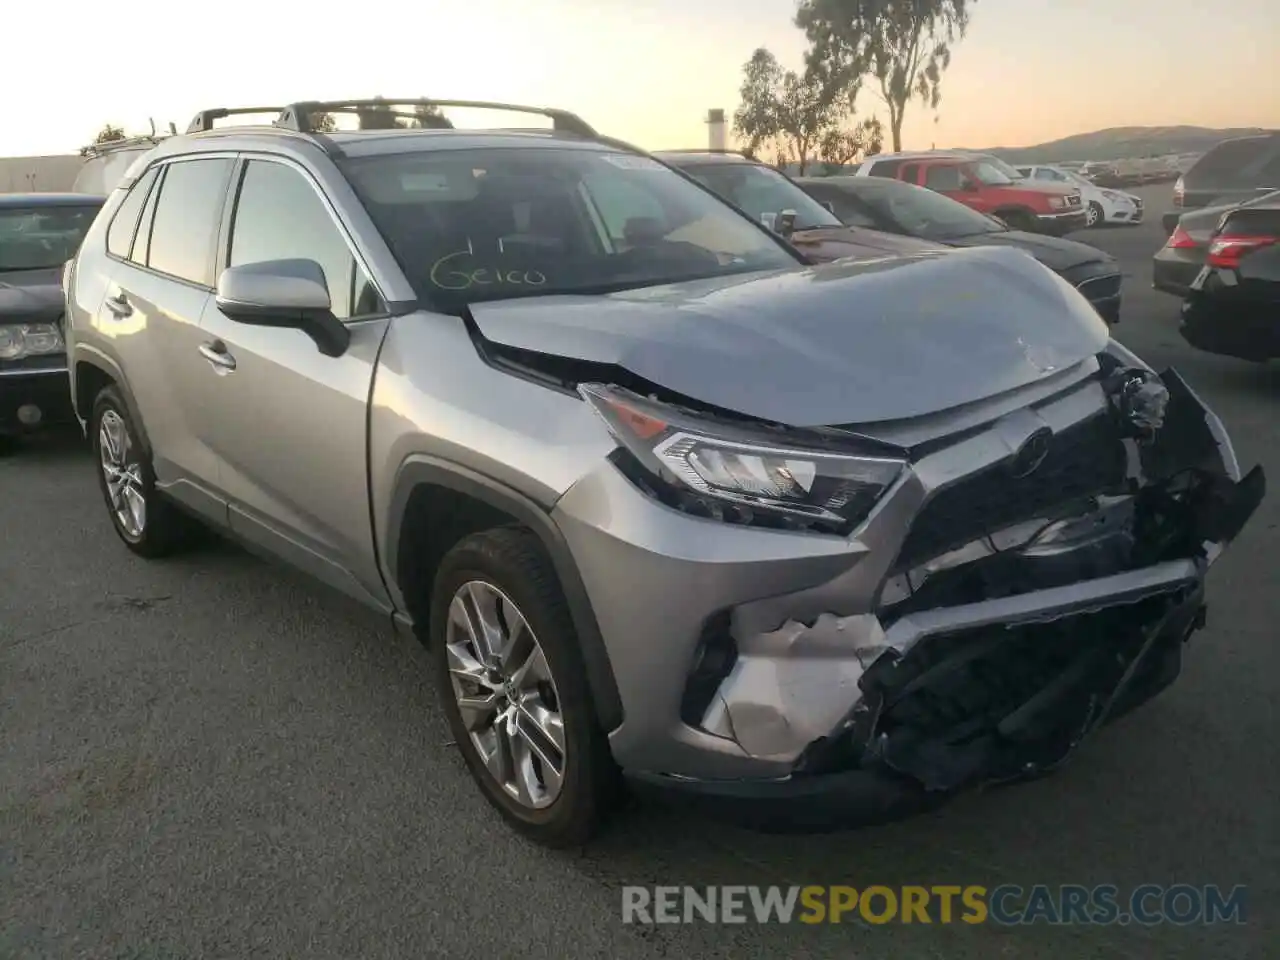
(1021,220)
(159,528)
(507,573)
(1095,216)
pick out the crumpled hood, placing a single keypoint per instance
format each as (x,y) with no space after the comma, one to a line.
(1056,253)
(823,244)
(31,295)
(834,344)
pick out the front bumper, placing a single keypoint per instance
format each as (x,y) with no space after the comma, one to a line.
(42,387)
(909,774)
(1060,223)
(759,668)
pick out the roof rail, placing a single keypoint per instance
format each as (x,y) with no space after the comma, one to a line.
(203,120)
(99,149)
(298,116)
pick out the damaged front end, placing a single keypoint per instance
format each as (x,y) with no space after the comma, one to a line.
(1029,603)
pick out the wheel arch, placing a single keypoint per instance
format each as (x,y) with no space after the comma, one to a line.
(422,481)
(90,372)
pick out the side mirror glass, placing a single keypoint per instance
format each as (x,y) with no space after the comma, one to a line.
(829,207)
(283,293)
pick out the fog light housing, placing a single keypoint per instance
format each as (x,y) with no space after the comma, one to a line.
(29,415)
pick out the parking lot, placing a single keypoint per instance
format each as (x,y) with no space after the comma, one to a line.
(211,757)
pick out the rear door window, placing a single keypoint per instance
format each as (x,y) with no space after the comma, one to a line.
(942,178)
(187,216)
(125,223)
(1230,160)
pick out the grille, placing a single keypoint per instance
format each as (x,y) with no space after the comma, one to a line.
(1083,460)
(1100,288)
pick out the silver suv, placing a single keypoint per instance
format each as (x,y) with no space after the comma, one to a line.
(807,545)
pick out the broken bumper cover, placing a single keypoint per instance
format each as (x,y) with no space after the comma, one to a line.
(1007,700)
(788,681)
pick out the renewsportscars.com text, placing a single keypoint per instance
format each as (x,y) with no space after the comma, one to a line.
(1007,904)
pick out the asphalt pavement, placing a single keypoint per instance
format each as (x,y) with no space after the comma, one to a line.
(212,757)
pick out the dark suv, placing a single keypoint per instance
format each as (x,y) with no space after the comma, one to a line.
(1232,172)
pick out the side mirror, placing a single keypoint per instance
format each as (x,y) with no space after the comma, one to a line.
(283,293)
(829,207)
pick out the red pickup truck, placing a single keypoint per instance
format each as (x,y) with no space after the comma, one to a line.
(983,185)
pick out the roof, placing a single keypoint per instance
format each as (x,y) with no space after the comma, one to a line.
(695,158)
(13,200)
(921,155)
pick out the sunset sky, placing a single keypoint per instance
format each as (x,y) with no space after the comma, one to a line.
(645,70)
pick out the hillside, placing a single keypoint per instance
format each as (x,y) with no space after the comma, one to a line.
(1118,143)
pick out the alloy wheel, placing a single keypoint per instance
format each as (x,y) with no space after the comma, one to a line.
(505,694)
(1091,217)
(123,473)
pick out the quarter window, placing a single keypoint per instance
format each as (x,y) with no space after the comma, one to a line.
(186,219)
(125,224)
(280,216)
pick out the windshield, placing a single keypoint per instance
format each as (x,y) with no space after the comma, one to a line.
(987,172)
(927,214)
(493,224)
(44,236)
(762,192)
(1008,169)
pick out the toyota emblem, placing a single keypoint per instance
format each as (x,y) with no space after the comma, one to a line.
(1031,454)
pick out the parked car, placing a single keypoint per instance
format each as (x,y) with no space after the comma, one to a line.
(1180,260)
(1233,306)
(772,199)
(1102,174)
(1102,207)
(1233,171)
(806,544)
(984,186)
(105,164)
(897,207)
(39,232)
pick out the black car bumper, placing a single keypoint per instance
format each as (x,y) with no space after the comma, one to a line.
(1231,329)
(1033,739)
(34,396)
(1172,271)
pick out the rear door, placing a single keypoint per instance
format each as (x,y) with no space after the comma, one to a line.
(287,424)
(950,180)
(162,243)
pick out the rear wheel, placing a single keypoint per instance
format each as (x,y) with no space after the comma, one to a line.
(148,524)
(1094,215)
(514,688)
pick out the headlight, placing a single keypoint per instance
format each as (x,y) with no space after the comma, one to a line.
(1057,203)
(726,473)
(29,340)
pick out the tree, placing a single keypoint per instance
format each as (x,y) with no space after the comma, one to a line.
(904,44)
(323,123)
(789,109)
(429,116)
(379,117)
(841,146)
(109,133)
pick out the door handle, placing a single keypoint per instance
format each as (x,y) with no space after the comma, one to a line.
(119,305)
(216,353)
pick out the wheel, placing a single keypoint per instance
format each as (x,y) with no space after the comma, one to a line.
(149,525)
(1094,215)
(1021,220)
(515,691)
